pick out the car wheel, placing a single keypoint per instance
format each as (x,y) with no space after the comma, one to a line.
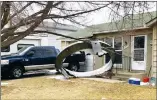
(17,72)
(74,67)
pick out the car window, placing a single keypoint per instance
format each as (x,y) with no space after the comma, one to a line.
(48,52)
(57,51)
(37,52)
(21,50)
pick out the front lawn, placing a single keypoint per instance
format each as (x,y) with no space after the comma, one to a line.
(48,88)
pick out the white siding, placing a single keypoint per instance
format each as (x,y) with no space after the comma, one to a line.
(154,51)
(13,47)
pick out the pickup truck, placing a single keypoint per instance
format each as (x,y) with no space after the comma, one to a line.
(37,58)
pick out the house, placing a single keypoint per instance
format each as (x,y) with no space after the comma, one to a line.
(42,39)
(135,42)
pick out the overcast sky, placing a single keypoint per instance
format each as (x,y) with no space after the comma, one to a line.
(97,17)
(103,15)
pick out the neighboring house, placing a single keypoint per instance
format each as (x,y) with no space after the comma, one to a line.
(135,41)
(65,42)
(42,39)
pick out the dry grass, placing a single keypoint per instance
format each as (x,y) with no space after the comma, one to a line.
(46,88)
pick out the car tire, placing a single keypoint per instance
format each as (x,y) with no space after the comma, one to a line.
(16,72)
(74,67)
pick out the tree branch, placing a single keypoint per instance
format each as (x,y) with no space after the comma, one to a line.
(28,4)
(79,13)
(28,20)
(28,31)
(5,14)
(2,8)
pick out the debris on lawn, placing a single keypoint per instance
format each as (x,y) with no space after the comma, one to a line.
(51,72)
(135,81)
(4,84)
(58,77)
(153,81)
(98,48)
(144,82)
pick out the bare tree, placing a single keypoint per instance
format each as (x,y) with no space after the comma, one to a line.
(123,13)
(15,15)
(19,19)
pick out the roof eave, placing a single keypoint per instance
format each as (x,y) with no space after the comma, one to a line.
(123,30)
(152,22)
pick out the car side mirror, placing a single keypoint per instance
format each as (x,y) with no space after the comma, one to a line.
(88,54)
(31,53)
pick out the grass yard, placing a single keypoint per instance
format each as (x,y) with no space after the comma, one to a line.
(47,88)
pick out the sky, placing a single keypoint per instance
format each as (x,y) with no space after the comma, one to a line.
(98,17)
(103,16)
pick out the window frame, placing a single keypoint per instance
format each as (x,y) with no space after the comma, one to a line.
(24,44)
(113,45)
(113,40)
(8,47)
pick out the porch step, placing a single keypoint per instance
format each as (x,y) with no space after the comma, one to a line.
(124,76)
(121,78)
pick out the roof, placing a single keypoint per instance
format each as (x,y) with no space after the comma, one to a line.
(152,22)
(139,21)
(52,25)
(63,29)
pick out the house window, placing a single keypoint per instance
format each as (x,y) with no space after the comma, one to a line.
(118,43)
(5,49)
(118,49)
(139,42)
(19,46)
(115,42)
(109,40)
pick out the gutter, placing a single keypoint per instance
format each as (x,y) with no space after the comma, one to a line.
(123,30)
(151,22)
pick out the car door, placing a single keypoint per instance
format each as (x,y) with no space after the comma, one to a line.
(50,55)
(36,60)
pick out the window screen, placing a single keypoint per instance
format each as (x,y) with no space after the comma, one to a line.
(139,55)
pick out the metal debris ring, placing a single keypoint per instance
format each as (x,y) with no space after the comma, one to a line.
(79,46)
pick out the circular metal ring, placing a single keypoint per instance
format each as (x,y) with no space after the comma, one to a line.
(79,46)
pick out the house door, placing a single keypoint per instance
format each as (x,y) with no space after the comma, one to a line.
(139,52)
